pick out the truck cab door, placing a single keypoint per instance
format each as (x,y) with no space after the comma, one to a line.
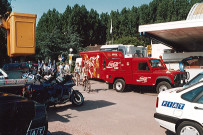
(143,74)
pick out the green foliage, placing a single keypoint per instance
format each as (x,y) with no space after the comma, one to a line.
(5,6)
(130,41)
(77,27)
(54,39)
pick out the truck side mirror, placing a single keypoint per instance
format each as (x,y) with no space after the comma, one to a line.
(21,30)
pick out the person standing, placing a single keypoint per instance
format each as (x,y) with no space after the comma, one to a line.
(77,71)
(67,68)
(45,69)
(85,71)
(61,69)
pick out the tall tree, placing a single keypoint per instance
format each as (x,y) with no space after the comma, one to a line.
(89,27)
(144,14)
(5,6)
(105,21)
(125,23)
(79,23)
(134,19)
(52,39)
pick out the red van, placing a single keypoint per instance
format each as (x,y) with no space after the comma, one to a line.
(118,71)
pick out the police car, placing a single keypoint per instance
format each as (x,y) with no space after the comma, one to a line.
(180,110)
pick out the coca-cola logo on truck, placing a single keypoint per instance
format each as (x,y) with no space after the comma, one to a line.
(114,65)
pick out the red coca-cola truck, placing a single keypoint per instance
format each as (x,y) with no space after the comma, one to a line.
(112,67)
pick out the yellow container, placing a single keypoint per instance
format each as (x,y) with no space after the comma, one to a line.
(21,31)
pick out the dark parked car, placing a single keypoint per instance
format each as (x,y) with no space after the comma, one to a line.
(11,66)
(21,116)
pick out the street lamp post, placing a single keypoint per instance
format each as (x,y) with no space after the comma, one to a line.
(70,58)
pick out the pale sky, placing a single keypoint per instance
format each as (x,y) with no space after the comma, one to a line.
(42,6)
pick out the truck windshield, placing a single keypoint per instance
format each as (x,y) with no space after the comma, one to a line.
(112,49)
(155,63)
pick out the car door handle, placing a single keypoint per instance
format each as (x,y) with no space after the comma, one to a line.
(198,108)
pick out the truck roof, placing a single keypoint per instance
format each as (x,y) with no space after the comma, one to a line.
(108,54)
(114,54)
(111,46)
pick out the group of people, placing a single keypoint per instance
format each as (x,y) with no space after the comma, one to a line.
(85,70)
(62,69)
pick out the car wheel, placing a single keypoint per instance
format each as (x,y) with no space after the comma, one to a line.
(119,85)
(162,86)
(189,128)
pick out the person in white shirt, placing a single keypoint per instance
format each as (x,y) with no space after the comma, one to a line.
(77,71)
(61,69)
(45,69)
(67,68)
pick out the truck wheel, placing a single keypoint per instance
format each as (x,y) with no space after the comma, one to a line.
(189,128)
(119,85)
(162,86)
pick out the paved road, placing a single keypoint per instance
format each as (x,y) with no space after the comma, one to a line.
(107,112)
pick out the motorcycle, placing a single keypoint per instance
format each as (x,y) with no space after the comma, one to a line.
(54,90)
(28,76)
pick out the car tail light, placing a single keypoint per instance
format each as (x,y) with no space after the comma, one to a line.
(157,102)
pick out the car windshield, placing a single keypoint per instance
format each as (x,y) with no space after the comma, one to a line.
(188,86)
(196,79)
(155,63)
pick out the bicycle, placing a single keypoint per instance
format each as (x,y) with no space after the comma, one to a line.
(87,86)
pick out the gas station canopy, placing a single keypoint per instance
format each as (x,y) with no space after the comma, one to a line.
(184,35)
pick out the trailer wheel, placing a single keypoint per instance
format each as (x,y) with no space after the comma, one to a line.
(119,85)
(162,86)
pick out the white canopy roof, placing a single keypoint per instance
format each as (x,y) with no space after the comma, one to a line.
(184,35)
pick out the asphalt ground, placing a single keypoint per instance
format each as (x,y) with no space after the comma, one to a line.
(107,112)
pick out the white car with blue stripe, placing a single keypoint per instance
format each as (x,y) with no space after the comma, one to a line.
(180,110)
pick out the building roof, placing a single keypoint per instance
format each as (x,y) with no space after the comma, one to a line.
(196,12)
(184,35)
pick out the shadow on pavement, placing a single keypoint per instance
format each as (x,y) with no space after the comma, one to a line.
(169,132)
(53,116)
(88,105)
(142,89)
(91,105)
(60,133)
(97,90)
